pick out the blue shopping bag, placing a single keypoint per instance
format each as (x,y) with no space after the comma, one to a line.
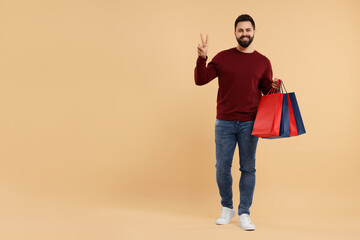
(298,119)
(284,124)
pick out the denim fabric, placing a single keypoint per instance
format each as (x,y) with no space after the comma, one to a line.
(227,135)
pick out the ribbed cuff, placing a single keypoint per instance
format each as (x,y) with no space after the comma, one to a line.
(202,59)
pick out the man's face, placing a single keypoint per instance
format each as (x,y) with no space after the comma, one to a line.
(244,33)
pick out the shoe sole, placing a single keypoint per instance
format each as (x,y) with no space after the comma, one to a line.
(250,229)
(247,229)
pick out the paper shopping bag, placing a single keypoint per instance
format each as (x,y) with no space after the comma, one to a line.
(298,119)
(292,123)
(268,116)
(285,122)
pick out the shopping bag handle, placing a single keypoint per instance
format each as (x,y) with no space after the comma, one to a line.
(276,89)
(280,87)
(283,87)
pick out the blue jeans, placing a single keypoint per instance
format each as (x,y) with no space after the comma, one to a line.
(227,134)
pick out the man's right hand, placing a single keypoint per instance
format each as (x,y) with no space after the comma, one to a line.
(203,47)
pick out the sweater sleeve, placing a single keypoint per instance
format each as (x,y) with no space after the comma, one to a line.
(266,79)
(204,74)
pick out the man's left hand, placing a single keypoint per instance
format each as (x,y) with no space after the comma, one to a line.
(275,82)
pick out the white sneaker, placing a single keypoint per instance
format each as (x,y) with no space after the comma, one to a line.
(245,222)
(226,215)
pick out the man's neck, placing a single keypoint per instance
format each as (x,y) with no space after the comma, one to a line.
(245,50)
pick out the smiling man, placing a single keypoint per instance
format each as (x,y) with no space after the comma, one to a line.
(244,75)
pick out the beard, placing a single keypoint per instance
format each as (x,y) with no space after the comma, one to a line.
(245,43)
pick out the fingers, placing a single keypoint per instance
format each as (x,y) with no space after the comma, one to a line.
(206,40)
(199,48)
(275,83)
(202,48)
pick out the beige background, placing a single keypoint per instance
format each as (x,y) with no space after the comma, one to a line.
(104,134)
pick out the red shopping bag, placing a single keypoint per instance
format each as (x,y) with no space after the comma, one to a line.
(268,117)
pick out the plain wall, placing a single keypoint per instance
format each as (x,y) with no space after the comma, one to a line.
(99,105)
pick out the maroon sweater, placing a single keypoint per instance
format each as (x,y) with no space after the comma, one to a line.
(242,78)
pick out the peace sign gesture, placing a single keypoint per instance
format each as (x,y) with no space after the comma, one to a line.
(203,48)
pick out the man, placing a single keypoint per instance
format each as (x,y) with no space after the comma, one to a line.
(243,74)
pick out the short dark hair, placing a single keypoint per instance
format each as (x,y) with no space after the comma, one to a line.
(243,18)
